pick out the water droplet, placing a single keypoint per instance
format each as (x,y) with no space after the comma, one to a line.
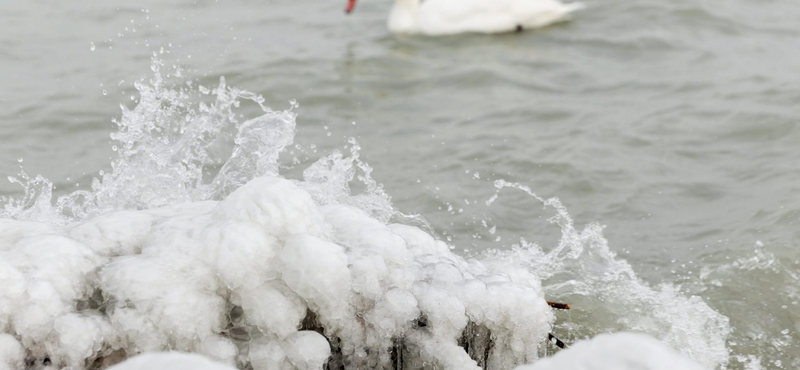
(20,160)
(105,92)
(92,47)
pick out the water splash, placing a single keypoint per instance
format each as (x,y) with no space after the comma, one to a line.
(606,294)
(34,204)
(329,181)
(177,145)
(760,340)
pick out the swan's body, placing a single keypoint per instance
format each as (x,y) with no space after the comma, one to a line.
(446,17)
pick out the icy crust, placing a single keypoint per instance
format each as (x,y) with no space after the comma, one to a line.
(12,355)
(171,361)
(620,351)
(267,277)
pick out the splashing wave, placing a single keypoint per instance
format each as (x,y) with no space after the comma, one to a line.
(196,242)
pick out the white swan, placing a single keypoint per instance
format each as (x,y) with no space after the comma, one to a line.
(447,17)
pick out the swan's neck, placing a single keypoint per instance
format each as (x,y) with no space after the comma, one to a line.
(404,14)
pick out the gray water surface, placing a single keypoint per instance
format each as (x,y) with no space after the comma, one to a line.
(675,124)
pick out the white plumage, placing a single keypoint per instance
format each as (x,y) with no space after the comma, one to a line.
(447,17)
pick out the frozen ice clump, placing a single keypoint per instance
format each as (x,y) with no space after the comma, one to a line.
(44,276)
(14,286)
(12,355)
(242,244)
(268,278)
(115,234)
(274,308)
(12,231)
(220,349)
(79,336)
(307,350)
(267,354)
(278,205)
(171,361)
(621,351)
(302,350)
(399,272)
(151,294)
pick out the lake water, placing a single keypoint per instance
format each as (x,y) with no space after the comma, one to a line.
(673,124)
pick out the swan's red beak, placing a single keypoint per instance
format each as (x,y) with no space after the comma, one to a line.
(350,5)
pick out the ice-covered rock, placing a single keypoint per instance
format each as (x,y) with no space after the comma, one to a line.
(268,277)
(170,361)
(620,351)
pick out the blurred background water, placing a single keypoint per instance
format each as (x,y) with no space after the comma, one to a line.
(674,124)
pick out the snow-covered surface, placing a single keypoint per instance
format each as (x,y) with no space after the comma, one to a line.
(620,351)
